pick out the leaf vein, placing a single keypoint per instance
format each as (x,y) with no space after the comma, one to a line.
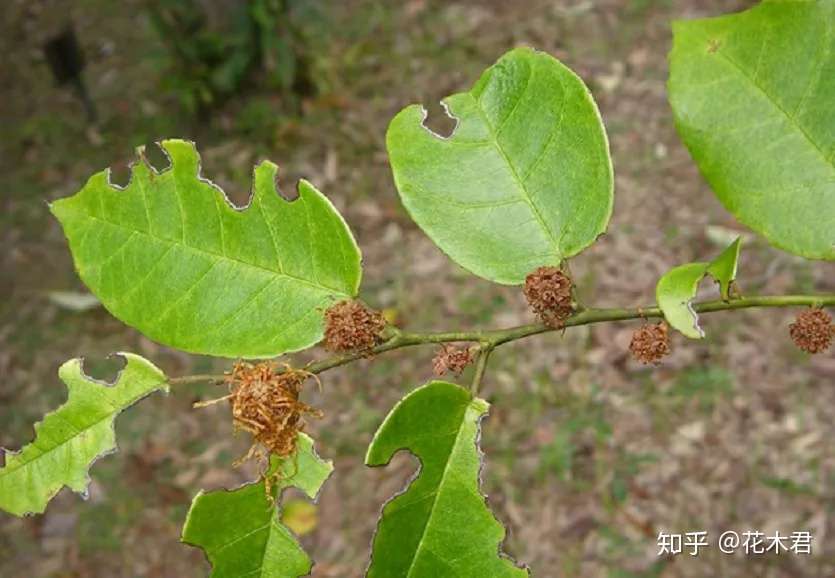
(792,120)
(522,94)
(524,193)
(230,258)
(437,492)
(269,226)
(236,313)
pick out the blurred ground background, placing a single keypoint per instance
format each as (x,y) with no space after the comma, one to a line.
(589,455)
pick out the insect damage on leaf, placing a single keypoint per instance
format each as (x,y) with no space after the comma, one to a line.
(170,255)
(69,440)
(241,530)
(677,288)
(524,180)
(548,291)
(651,343)
(351,326)
(812,330)
(441,523)
(451,359)
(265,403)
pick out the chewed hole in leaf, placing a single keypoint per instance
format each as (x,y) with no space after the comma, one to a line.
(288,195)
(276,186)
(119,175)
(156,158)
(450,472)
(226,185)
(439,121)
(71,438)
(144,233)
(104,370)
(510,187)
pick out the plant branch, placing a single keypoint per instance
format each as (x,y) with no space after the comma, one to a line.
(203,378)
(492,338)
(480,367)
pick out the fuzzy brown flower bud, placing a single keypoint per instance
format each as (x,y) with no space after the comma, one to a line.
(548,291)
(650,343)
(351,326)
(812,330)
(451,359)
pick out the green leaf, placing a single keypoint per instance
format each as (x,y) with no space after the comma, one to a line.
(677,288)
(172,257)
(525,179)
(240,530)
(754,101)
(723,268)
(440,525)
(71,438)
(674,292)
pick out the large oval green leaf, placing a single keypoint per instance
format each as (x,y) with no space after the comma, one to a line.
(525,180)
(754,101)
(441,525)
(72,437)
(172,257)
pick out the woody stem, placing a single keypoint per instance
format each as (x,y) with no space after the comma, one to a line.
(492,338)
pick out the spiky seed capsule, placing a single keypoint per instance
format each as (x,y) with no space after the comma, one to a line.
(451,359)
(650,343)
(351,326)
(548,291)
(812,330)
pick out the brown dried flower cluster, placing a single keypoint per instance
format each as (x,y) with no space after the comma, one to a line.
(548,291)
(265,402)
(351,326)
(451,359)
(812,330)
(650,343)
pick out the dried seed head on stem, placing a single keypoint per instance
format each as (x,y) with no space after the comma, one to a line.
(451,359)
(265,402)
(651,342)
(549,293)
(351,326)
(812,330)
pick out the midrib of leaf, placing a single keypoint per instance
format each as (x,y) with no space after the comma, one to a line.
(437,492)
(217,256)
(771,100)
(273,527)
(525,194)
(269,526)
